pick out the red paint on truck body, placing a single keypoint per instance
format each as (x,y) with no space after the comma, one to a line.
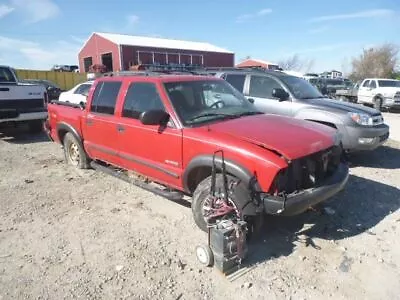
(262,144)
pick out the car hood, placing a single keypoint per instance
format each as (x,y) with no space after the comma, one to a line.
(344,107)
(291,138)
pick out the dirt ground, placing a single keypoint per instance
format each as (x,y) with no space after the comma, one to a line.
(71,234)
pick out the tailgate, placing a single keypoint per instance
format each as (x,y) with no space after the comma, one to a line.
(17,99)
(21,92)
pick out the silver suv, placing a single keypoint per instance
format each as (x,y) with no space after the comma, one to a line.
(275,92)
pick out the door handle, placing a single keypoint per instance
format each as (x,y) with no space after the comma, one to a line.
(120,128)
(89,122)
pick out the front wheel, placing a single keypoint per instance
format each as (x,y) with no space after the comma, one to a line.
(378,104)
(74,153)
(239,200)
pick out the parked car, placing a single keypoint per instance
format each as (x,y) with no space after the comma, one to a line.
(379,92)
(77,94)
(21,102)
(65,68)
(361,128)
(53,90)
(277,165)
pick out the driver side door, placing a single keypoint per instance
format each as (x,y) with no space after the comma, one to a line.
(260,89)
(150,150)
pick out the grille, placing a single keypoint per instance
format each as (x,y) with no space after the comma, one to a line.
(307,172)
(23,105)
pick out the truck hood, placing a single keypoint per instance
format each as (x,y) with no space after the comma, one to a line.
(341,107)
(291,138)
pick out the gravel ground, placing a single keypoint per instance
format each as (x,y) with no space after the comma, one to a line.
(393,120)
(66,234)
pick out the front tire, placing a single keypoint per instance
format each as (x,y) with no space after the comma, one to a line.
(240,200)
(74,153)
(378,104)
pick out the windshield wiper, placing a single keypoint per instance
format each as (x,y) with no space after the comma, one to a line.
(211,115)
(248,113)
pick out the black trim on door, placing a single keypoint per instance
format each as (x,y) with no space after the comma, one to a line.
(135,160)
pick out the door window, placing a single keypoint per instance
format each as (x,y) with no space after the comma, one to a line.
(105,97)
(82,89)
(236,80)
(372,85)
(141,96)
(366,83)
(262,86)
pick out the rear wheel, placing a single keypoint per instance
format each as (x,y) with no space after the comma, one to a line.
(238,200)
(74,153)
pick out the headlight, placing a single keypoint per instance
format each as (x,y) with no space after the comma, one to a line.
(362,119)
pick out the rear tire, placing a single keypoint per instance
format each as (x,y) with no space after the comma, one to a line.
(74,153)
(378,104)
(241,199)
(35,126)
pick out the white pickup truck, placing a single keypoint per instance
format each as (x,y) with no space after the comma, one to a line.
(21,102)
(381,93)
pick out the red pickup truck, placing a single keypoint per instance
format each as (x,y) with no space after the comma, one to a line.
(168,128)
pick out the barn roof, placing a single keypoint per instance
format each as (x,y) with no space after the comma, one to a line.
(256,61)
(153,42)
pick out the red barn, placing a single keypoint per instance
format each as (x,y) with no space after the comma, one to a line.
(118,52)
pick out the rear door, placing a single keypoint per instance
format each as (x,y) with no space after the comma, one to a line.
(100,130)
(260,89)
(150,150)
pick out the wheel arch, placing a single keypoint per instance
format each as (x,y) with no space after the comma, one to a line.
(200,168)
(64,128)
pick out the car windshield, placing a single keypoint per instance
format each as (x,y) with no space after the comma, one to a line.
(301,88)
(389,83)
(204,101)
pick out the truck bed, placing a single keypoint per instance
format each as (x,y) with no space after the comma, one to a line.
(70,114)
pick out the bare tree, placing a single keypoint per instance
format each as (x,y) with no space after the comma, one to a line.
(375,62)
(295,63)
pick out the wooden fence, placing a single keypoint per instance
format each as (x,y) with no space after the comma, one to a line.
(66,80)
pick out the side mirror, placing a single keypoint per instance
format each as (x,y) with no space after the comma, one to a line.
(251,100)
(280,94)
(154,117)
(82,105)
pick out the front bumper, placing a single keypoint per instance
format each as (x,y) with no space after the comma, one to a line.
(360,138)
(299,202)
(391,102)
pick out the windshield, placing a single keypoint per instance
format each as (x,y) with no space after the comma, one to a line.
(301,88)
(389,83)
(203,101)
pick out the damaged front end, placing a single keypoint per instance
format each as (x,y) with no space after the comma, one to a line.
(306,182)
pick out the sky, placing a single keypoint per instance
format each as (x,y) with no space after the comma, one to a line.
(37,34)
